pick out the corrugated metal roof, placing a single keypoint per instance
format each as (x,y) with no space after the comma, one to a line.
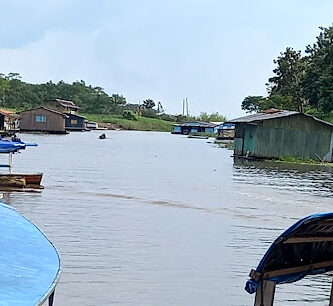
(272,114)
(195,124)
(47,109)
(75,115)
(66,103)
(266,115)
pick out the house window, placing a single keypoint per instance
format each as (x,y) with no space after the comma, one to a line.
(40,118)
(73,121)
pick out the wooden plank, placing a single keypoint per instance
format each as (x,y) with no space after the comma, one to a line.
(265,293)
(331,297)
(307,239)
(299,269)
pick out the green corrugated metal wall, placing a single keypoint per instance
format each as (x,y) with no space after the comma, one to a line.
(298,136)
(250,139)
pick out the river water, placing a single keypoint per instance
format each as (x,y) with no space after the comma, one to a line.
(144,218)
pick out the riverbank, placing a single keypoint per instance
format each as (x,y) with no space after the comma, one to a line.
(141,124)
(294,160)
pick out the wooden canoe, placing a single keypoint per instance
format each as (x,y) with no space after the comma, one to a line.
(31,180)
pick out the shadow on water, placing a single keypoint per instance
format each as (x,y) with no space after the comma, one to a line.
(314,179)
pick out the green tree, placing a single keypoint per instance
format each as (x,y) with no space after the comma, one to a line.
(287,81)
(318,82)
(252,103)
(149,103)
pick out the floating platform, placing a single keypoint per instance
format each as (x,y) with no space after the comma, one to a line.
(29,263)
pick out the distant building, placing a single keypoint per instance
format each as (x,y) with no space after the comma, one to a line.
(62,106)
(42,119)
(75,123)
(92,125)
(225,131)
(193,127)
(281,133)
(8,122)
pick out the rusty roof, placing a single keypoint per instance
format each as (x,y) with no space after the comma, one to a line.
(66,103)
(7,113)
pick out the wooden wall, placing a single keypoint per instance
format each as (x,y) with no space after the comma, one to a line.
(54,122)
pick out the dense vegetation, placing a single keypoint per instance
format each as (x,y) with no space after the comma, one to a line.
(16,94)
(302,83)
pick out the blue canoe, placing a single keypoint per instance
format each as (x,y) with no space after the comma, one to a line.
(306,248)
(29,263)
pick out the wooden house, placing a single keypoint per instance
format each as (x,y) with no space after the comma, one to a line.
(281,133)
(193,127)
(8,122)
(62,106)
(75,123)
(42,119)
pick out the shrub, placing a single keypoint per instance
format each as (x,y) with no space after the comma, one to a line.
(129,115)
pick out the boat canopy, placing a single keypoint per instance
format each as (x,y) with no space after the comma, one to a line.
(306,248)
(14,145)
(29,263)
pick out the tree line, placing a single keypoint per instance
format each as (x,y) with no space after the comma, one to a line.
(17,94)
(300,82)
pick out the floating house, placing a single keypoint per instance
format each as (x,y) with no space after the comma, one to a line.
(75,123)
(62,106)
(225,131)
(42,119)
(91,125)
(281,133)
(194,127)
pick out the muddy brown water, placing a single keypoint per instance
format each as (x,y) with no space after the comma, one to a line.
(144,218)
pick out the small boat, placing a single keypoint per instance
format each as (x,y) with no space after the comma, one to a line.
(28,180)
(14,145)
(14,180)
(102,136)
(306,248)
(30,265)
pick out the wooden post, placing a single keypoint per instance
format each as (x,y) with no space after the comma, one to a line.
(10,162)
(265,293)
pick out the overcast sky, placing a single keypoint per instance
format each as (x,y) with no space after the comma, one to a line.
(214,52)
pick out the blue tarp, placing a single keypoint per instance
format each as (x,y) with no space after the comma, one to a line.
(29,263)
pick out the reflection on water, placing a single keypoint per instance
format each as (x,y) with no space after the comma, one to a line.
(157,219)
(317,180)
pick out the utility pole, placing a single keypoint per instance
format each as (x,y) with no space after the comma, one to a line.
(186,107)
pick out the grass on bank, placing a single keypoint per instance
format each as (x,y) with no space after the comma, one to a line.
(141,124)
(295,160)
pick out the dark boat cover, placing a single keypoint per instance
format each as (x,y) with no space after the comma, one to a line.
(29,263)
(306,248)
